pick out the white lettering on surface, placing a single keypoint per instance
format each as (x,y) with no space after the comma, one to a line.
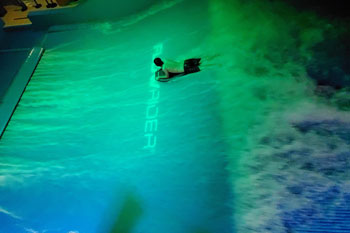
(152,110)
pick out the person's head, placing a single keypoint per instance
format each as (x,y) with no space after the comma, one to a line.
(158,61)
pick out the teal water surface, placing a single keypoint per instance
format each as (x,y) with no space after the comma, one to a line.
(246,145)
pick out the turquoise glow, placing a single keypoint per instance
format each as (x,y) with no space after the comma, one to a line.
(245,145)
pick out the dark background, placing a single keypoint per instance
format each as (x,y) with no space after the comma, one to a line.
(328,8)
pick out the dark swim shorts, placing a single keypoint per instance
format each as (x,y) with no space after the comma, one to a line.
(191,65)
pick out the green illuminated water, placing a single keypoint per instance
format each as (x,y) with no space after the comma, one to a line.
(228,147)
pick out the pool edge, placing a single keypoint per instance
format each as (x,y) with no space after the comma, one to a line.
(17,88)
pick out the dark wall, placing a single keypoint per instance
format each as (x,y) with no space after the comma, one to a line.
(328,8)
(8,2)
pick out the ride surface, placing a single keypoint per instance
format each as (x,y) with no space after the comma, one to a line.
(97,145)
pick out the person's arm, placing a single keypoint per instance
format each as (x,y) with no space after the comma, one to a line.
(162,74)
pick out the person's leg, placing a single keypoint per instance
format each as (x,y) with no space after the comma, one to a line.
(193,62)
(37,5)
(24,6)
(197,61)
(2,11)
(191,69)
(53,4)
(208,61)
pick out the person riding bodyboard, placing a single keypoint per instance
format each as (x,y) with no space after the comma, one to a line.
(169,69)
